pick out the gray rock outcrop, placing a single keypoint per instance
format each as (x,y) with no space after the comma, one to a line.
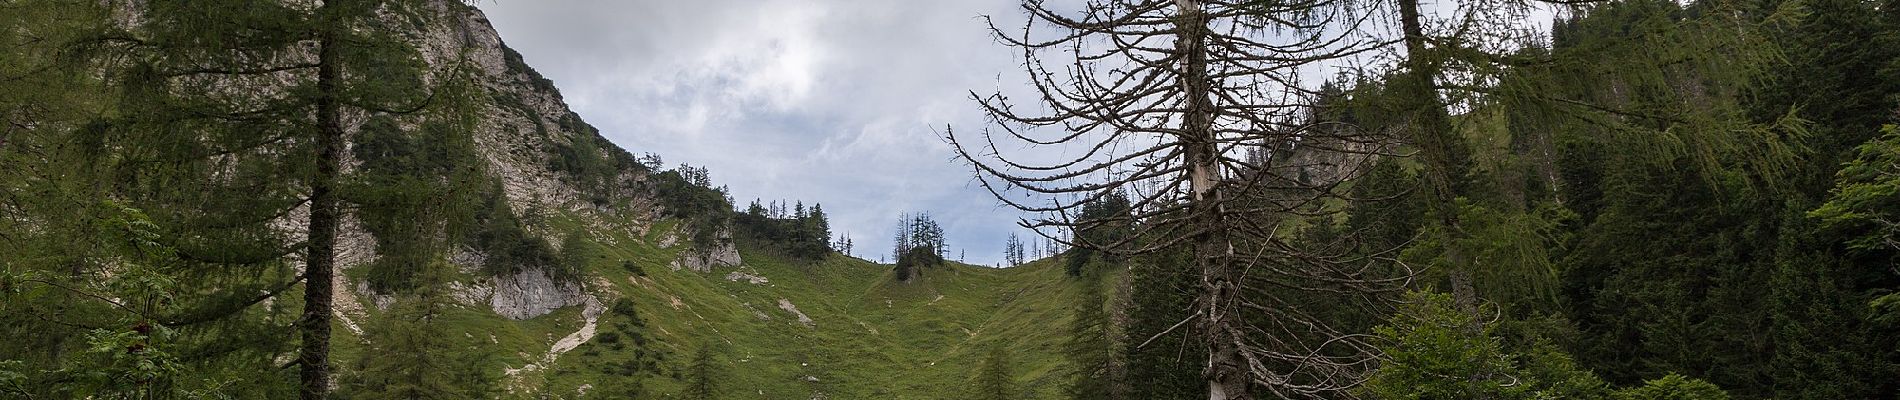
(532,292)
(722,254)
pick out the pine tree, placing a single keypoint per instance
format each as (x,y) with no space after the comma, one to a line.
(901,239)
(996,379)
(817,233)
(1110,227)
(1090,349)
(265,88)
(926,234)
(703,376)
(1013,250)
(918,244)
(1162,361)
(755,209)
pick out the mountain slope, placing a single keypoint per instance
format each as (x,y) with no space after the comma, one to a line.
(655,285)
(842,327)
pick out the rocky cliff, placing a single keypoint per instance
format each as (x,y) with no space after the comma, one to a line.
(524,126)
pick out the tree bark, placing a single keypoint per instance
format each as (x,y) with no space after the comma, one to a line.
(1227,375)
(320,264)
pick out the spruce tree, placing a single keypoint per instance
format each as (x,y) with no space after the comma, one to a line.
(703,376)
(268,88)
(996,378)
(1090,349)
(1161,356)
(1013,250)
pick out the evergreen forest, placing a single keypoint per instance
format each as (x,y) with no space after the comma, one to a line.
(1213,199)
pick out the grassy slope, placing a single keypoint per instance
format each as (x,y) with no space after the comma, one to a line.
(871,337)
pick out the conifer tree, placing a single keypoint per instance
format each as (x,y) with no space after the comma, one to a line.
(48,191)
(1684,109)
(266,85)
(411,356)
(996,379)
(1013,250)
(901,239)
(1090,348)
(703,376)
(817,233)
(1162,361)
(1156,97)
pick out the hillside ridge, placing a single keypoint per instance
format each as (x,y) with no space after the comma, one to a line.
(838,326)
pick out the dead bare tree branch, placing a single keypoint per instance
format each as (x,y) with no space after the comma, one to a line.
(1194,111)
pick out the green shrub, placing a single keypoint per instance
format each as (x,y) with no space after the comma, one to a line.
(1432,354)
(1673,387)
(910,264)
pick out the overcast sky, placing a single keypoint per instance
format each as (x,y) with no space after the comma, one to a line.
(836,102)
(839,102)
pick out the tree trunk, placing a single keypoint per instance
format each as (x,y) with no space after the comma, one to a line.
(1227,375)
(320,264)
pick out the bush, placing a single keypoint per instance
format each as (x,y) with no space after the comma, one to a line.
(1431,355)
(913,261)
(509,247)
(623,307)
(1673,387)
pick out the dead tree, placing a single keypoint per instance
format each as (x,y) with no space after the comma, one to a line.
(1159,100)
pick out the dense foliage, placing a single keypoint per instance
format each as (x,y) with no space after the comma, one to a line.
(590,162)
(799,233)
(413,355)
(1091,347)
(917,245)
(995,378)
(173,172)
(1663,200)
(1639,222)
(159,161)
(686,193)
(1107,225)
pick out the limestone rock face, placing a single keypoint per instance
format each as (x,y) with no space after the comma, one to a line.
(1334,155)
(523,122)
(532,292)
(527,293)
(722,254)
(1334,162)
(522,115)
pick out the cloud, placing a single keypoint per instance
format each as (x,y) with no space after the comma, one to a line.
(837,102)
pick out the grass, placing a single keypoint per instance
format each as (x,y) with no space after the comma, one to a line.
(870,336)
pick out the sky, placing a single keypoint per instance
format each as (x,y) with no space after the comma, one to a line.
(833,102)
